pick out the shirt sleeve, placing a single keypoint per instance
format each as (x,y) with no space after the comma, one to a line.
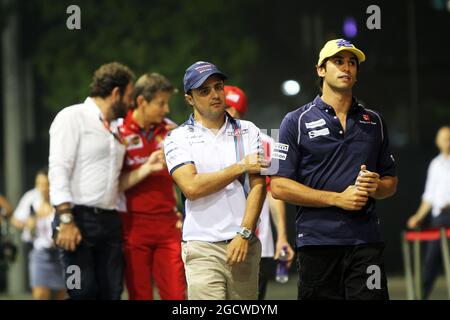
(386,161)
(430,189)
(286,152)
(23,209)
(255,140)
(64,138)
(176,152)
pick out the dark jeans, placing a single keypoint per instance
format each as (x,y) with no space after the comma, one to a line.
(342,272)
(99,256)
(267,268)
(433,255)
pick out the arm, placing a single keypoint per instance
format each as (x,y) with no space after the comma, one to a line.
(64,139)
(278,213)
(386,187)
(154,163)
(298,194)
(6,206)
(238,248)
(197,185)
(378,188)
(420,214)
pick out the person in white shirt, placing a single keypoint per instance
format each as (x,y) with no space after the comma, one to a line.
(436,199)
(237,106)
(34,215)
(85,161)
(216,161)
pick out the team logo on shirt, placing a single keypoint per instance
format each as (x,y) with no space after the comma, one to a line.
(237,132)
(133,141)
(367,120)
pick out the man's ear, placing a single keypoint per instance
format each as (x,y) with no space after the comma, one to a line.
(139,101)
(115,93)
(321,71)
(189,99)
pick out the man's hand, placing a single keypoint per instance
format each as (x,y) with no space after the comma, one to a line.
(253,163)
(279,246)
(413,221)
(156,161)
(68,237)
(237,250)
(30,224)
(170,126)
(367,181)
(352,199)
(179,224)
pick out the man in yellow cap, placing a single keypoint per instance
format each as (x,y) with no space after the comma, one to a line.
(334,161)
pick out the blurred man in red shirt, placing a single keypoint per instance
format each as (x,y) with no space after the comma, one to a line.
(152,236)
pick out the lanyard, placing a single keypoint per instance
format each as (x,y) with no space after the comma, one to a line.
(148,135)
(115,135)
(239,148)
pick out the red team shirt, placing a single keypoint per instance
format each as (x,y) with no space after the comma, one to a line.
(153,195)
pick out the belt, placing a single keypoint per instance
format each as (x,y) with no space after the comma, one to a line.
(218,242)
(93,210)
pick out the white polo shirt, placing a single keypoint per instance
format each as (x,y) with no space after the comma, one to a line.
(437,188)
(216,217)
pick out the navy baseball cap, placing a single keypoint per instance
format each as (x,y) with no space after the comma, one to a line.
(197,73)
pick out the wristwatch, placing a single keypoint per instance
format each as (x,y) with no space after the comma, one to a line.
(66,218)
(245,233)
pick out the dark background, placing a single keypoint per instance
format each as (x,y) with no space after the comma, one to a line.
(258,44)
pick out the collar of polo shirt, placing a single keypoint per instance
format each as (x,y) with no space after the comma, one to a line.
(324,106)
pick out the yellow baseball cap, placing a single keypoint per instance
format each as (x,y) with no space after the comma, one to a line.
(334,46)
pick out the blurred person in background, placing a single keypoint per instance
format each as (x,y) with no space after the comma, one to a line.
(334,161)
(435,199)
(5,208)
(5,244)
(34,216)
(85,162)
(237,106)
(151,223)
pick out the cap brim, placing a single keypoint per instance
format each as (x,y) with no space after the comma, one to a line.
(205,77)
(358,53)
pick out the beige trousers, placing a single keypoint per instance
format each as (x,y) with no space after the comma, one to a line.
(209,277)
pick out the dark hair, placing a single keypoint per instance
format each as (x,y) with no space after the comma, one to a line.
(320,79)
(109,76)
(42,171)
(149,84)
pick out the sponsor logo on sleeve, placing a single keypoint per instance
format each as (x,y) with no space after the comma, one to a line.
(281,147)
(279,155)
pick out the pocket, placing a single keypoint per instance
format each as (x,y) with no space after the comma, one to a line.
(184,251)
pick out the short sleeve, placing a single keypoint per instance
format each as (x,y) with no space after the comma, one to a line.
(255,140)
(176,151)
(286,150)
(429,193)
(386,161)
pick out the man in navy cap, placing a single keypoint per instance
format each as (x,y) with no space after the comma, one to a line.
(334,161)
(216,162)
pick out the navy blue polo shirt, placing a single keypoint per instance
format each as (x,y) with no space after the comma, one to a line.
(314,150)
